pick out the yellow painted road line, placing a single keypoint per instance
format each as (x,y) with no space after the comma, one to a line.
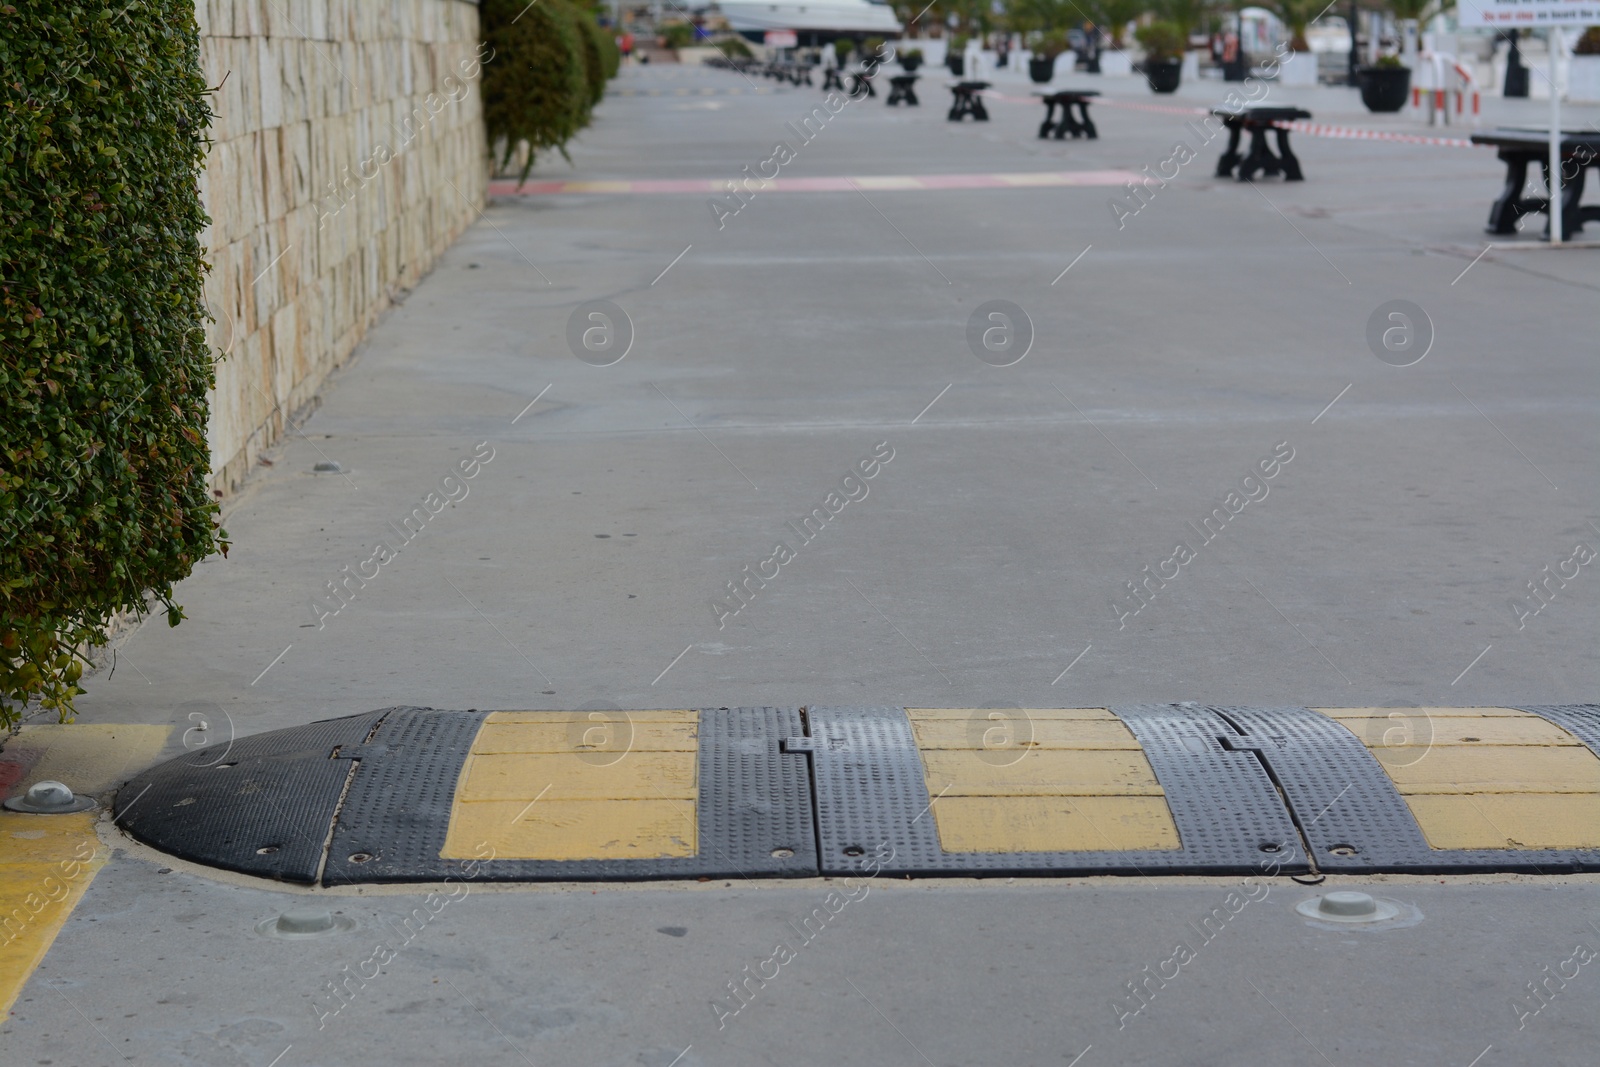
(37,895)
(1485,778)
(579,786)
(1040,780)
(48,861)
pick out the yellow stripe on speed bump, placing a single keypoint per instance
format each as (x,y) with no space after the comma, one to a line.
(579,786)
(1059,780)
(1485,778)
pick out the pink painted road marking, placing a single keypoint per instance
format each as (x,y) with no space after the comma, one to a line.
(873,183)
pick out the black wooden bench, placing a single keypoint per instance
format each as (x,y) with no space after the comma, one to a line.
(861,84)
(968,102)
(903,88)
(1258,120)
(830,79)
(1518,148)
(1080,126)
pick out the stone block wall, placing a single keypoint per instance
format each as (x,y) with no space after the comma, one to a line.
(348,153)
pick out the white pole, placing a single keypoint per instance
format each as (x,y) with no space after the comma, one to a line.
(1557,46)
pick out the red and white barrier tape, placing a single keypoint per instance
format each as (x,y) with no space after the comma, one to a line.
(1316,129)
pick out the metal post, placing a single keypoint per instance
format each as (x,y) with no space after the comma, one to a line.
(1557,45)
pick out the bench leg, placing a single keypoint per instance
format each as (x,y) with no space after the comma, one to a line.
(978,113)
(1503,212)
(1230,158)
(1259,159)
(911,98)
(1049,123)
(1291,164)
(1088,126)
(1571,213)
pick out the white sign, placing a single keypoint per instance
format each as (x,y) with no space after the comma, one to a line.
(1528,14)
(781,39)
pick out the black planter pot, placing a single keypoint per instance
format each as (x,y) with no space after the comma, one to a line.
(1041,68)
(1163,77)
(957,65)
(910,63)
(1384,88)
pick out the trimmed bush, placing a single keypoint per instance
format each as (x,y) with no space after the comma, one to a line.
(535,91)
(594,64)
(609,52)
(104,366)
(734,48)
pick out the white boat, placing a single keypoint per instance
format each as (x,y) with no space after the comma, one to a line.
(811,16)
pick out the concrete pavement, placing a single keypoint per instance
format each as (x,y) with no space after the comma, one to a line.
(1387,563)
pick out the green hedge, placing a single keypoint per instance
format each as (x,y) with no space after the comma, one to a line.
(594,64)
(547,71)
(104,366)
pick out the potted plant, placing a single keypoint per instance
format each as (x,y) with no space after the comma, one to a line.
(1299,67)
(677,35)
(872,48)
(955,56)
(842,47)
(1163,55)
(910,59)
(1042,65)
(1385,85)
(1113,16)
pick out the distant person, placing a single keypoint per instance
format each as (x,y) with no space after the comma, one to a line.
(625,44)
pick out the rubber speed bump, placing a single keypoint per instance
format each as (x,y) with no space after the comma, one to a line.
(417,794)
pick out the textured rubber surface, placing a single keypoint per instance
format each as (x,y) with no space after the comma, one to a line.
(1346,807)
(260,805)
(398,806)
(873,807)
(754,800)
(1354,818)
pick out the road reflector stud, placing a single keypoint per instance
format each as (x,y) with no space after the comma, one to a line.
(49,798)
(1348,906)
(304,924)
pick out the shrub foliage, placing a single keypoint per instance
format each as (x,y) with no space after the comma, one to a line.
(104,366)
(547,71)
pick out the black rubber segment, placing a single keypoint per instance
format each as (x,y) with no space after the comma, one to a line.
(755,800)
(874,811)
(260,805)
(1347,808)
(1354,818)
